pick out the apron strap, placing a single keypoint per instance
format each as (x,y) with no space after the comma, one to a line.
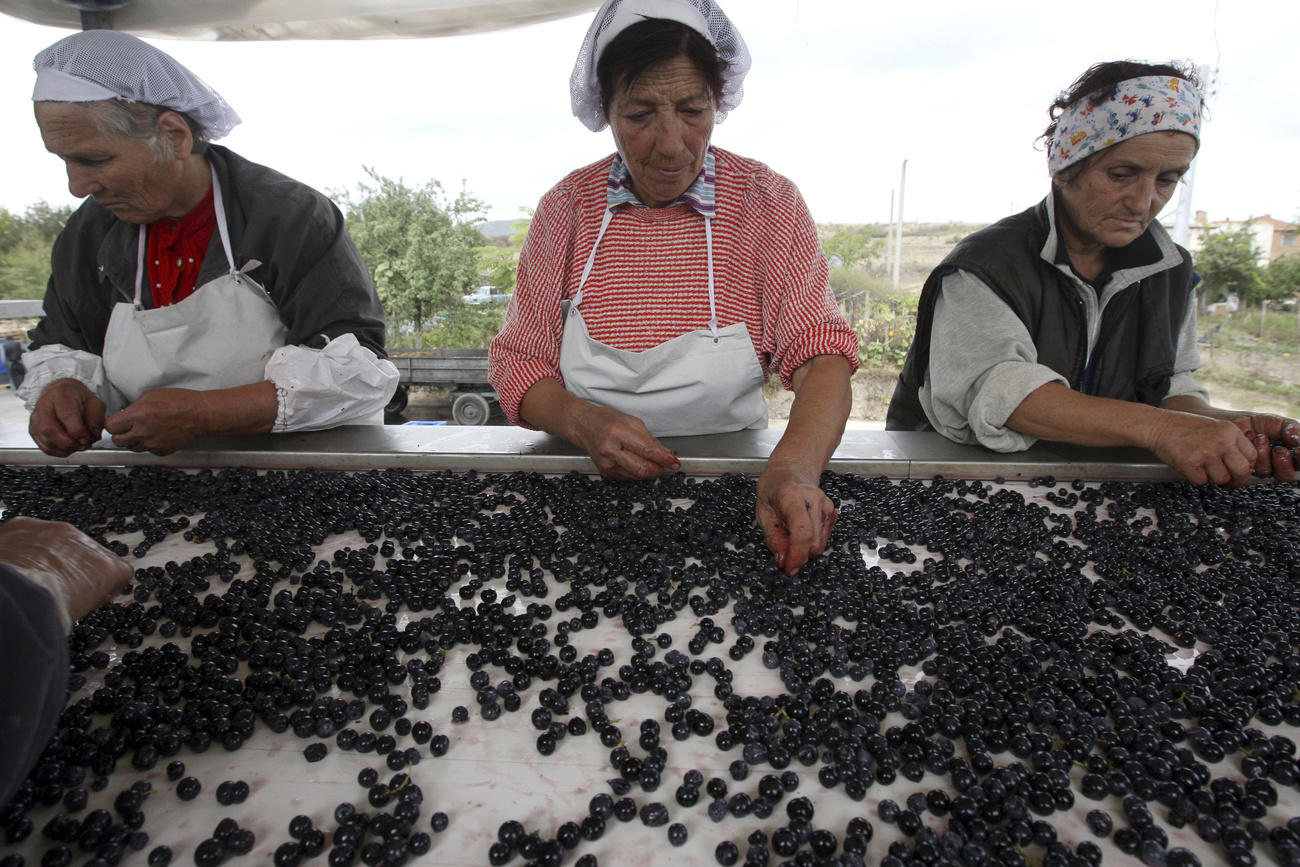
(713,307)
(591,259)
(219,209)
(219,206)
(139,267)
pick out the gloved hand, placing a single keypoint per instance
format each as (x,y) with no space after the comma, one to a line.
(80,574)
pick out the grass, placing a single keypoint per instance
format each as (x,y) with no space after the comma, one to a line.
(1247,366)
(1241,330)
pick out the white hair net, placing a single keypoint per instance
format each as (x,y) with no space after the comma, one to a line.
(103,64)
(614,16)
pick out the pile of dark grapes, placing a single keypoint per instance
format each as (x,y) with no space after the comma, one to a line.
(1004,660)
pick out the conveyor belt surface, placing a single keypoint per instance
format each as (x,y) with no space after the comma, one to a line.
(996,643)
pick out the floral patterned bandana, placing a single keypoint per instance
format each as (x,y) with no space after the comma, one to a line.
(1139,105)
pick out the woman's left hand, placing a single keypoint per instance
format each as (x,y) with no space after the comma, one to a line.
(159,421)
(795,514)
(1262,430)
(164,419)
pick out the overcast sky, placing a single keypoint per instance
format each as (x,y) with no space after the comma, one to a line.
(841,92)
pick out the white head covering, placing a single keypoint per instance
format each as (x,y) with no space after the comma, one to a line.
(105,64)
(615,16)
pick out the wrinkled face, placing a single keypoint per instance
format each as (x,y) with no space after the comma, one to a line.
(1117,195)
(661,127)
(121,173)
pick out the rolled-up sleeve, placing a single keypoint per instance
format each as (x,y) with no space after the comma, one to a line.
(983,364)
(54,362)
(317,389)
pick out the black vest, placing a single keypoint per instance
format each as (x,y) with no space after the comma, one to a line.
(1138,337)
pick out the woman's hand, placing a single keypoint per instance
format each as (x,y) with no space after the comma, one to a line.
(796,515)
(1262,430)
(163,420)
(67,418)
(1202,448)
(794,512)
(1224,446)
(620,445)
(80,574)
(1204,443)
(160,421)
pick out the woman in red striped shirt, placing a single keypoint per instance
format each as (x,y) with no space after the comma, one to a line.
(660,287)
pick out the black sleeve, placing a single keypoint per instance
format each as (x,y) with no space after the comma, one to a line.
(324,287)
(81,291)
(309,264)
(33,679)
(79,297)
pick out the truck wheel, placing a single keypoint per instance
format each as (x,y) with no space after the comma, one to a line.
(470,409)
(397,402)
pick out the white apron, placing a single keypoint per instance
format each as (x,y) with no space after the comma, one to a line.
(705,381)
(221,336)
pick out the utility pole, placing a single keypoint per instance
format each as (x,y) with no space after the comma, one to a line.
(889,237)
(898,242)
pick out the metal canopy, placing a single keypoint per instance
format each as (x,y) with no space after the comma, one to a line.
(294,19)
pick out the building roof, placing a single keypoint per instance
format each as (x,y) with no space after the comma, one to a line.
(1266,218)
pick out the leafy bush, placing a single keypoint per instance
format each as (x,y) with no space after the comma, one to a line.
(25,243)
(464,326)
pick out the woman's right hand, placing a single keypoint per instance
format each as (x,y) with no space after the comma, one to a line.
(68,417)
(79,573)
(620,444)
(1203,449)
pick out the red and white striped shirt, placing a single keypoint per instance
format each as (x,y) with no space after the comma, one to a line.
(649,282)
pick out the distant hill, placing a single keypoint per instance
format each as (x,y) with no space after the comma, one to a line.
(494,229)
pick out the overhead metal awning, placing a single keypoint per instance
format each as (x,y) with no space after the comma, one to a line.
(294,19)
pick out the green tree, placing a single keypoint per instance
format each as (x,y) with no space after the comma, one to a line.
(25,243)
(519,228)
(419,246)
(1229,262)
(10,229)
(45,221)
(1282,277)
(24,271)
(497,267)
(857,246)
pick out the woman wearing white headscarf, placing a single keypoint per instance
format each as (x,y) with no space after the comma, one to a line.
(690,275)
(1075,321)
(194,292)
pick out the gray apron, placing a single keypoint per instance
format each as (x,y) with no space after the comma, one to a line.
(705,381)
(221,336)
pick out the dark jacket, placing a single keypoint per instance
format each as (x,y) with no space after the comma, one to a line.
(309,265)
(33,679)
(1134,356)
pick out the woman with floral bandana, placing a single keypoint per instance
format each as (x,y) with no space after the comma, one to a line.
(1075,321)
